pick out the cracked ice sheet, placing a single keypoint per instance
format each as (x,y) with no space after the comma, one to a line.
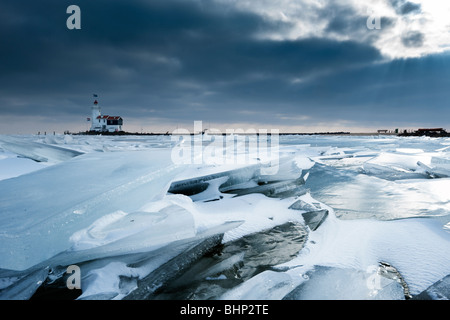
(37,151)
(40,211)
(256,211)
(419,248)
(367,196)
(12,166)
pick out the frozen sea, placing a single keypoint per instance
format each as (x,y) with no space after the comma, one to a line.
(214,217)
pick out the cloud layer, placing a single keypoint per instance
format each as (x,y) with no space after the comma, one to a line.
(296,65)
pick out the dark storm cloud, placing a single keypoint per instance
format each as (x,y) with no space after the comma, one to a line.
(413,39)
(147,46)
(400,91)
(191,60)
(410,7)
(239,59)
(122,46)
(345,21)
(405,7)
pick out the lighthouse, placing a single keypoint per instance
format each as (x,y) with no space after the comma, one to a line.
(95,125)
(104,123)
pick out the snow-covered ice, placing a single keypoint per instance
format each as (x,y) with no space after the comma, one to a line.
(41,210)
(122,209)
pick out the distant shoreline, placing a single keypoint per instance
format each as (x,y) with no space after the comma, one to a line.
(338,133)
(341,133)
(123,133)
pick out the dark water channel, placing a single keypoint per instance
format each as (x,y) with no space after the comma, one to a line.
(235,262)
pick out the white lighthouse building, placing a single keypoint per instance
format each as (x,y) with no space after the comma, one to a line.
(104,123)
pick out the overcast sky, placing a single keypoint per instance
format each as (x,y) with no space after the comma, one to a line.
(293,65)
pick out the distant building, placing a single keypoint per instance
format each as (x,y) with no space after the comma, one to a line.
(382,131)
(429,132)
(432,131)
(104,123)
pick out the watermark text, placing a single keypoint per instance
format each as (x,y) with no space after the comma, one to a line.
(235,146)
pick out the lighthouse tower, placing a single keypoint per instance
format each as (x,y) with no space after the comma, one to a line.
(95,124)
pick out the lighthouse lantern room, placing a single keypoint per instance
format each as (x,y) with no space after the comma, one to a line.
(104,123)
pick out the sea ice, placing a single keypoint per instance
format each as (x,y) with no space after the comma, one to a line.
(12,166)
(102,202)
(268,285)
(37,151)
(40,211)
(418,248)
(327,283)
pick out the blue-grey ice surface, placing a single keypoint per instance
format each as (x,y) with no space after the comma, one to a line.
(103,202)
